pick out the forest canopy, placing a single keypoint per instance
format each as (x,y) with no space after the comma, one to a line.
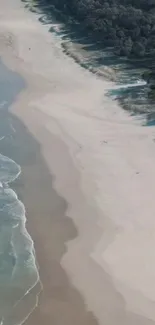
(126,25)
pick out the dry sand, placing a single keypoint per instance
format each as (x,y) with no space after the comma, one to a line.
(93,221)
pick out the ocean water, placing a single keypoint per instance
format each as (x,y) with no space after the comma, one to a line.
(19,275)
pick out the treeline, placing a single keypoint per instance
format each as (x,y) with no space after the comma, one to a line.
(126,25)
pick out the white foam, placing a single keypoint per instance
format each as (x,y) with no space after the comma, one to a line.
(131,85)
(25,274)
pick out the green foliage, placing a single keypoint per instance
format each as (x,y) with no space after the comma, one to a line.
(127,25)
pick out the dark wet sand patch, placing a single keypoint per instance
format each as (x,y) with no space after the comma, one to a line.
(50,229)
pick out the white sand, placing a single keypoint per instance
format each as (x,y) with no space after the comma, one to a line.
(111,188)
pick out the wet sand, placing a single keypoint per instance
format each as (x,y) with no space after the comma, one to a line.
(87,182)
(50,228)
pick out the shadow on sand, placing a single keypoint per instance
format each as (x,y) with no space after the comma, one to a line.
(99,60)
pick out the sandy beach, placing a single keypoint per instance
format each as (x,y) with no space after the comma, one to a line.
(87,182)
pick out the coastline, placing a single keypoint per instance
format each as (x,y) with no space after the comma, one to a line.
(98,155)
(46,207)
(19,279)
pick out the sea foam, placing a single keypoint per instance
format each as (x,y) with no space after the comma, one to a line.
(18,270)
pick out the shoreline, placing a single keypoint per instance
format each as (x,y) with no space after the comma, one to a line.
(50,213)
(19,278)
(93,244)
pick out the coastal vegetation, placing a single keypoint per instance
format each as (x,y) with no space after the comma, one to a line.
(125,26)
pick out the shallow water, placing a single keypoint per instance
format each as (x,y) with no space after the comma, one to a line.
(18,271)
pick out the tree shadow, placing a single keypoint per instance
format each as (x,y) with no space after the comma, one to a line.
(96,56)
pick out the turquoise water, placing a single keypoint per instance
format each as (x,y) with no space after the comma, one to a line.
(18,271)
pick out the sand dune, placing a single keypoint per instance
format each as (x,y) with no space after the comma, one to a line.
(103,163)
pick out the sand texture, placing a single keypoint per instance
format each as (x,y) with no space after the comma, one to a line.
(88,183)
